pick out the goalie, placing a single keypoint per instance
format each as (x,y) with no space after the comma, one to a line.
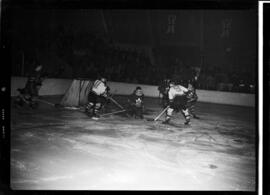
(136,103)
(97,98)
(177,99)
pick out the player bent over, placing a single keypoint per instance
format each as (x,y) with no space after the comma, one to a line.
(29,93)
(97,97)
(136,103)
(177,96)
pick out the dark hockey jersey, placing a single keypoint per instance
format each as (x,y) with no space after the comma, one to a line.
(137,98)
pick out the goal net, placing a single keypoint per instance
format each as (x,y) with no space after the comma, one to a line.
(77,93)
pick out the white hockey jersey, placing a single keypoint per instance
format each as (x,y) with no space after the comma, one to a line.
(99,87)
(177,90)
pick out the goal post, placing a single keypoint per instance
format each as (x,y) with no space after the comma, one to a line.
(77,93)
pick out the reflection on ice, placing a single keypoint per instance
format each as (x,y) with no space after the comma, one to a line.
(65,150)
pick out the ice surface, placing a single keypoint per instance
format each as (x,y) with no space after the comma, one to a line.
(58,149)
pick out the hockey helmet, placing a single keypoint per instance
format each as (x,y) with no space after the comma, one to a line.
(171,83)
(166,83)
(138,91)
(104,80)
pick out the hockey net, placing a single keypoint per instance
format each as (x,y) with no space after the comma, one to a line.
(77,94)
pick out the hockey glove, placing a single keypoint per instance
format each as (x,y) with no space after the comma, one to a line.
(107,95)
(171,103)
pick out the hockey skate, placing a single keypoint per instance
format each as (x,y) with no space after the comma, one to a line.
(95,116)
(196,117)
(138,116)
(88,112)
(166,121)
(187,123)
(33,104)
(18,103)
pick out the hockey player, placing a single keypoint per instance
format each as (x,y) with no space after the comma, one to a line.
(177,97)
(97,97)
(163,90)
(192,97)
(29,93)
(136,103)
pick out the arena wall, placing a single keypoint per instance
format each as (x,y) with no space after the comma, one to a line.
(59,86)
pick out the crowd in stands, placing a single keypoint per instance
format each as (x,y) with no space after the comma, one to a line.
(86,55)
(222,80)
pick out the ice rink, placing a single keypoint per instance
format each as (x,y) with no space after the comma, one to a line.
(58,149)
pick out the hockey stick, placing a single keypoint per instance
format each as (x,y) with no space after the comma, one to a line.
(49,103)
(113,113)
(25,101)
(155,119)
(45,102)
(59,105)
(116,103)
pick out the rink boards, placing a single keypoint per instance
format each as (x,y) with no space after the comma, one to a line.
(59,86)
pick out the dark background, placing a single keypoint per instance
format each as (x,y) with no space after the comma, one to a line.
(31,29)
(266,87)
(131,45)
